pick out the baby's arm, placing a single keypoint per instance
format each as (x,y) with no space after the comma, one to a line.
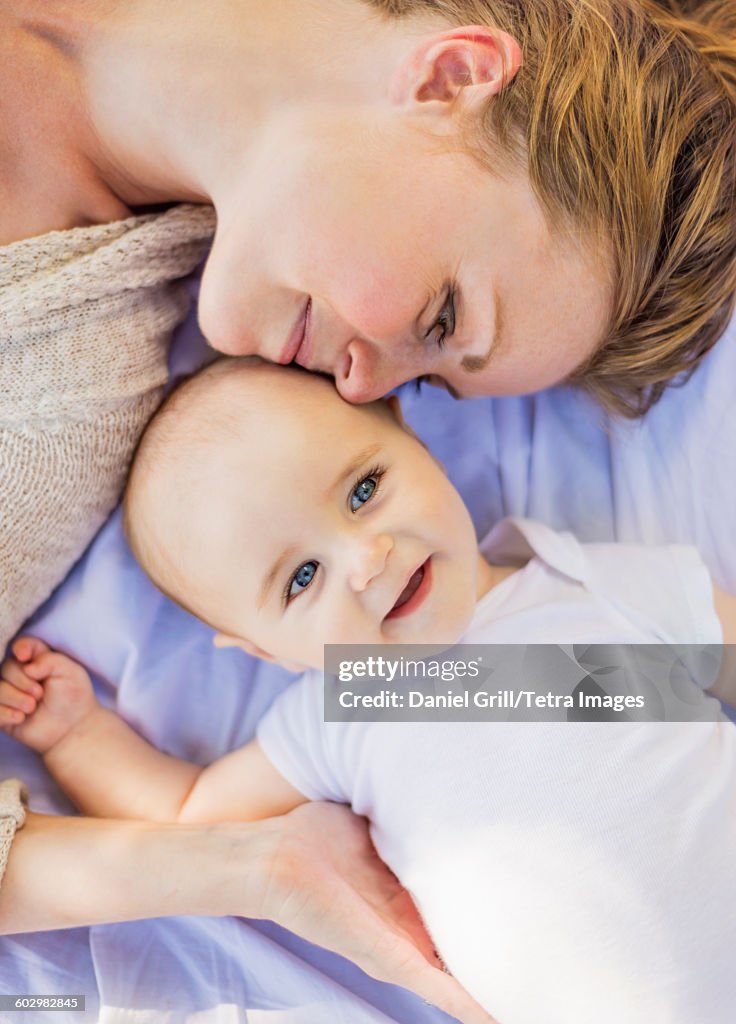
(725,686)
(108,770)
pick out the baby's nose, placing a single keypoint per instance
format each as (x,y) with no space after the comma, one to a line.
(369,560)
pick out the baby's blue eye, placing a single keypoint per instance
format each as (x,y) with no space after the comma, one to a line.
(362,492)
(302,578)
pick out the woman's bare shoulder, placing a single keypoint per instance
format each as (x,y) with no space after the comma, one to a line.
(28,214)
(45,182)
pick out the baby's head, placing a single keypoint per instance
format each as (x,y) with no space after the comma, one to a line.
(286,518)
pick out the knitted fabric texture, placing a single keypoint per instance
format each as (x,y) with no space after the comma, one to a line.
(13,797)
(86,316)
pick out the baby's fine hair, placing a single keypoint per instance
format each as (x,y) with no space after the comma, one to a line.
(172,456)
(623,113)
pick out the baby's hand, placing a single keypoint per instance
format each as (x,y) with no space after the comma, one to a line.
(43,694)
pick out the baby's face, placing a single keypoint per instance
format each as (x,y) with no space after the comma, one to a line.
(336,526)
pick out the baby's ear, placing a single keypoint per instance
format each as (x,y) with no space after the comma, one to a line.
(394,407)
(226,640)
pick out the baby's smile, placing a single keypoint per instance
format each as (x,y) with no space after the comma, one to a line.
(414,592)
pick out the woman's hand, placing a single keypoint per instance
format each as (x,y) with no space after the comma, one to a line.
(314,870)
(325,881)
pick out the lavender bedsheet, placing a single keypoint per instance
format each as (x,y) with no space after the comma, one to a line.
(554,457)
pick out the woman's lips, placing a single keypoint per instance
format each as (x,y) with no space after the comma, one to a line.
(414,593)
(304,352)
(296,336)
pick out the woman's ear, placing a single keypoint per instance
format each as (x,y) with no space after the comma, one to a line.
(226,640)
(462,66)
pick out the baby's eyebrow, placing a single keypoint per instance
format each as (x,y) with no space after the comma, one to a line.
(362,457)
(273,572)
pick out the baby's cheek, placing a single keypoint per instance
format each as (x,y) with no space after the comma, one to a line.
(345,629)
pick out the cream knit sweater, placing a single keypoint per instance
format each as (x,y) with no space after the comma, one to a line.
(13,797)
(85,320)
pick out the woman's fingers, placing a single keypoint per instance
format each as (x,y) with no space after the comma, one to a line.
(325,881)
(394,959)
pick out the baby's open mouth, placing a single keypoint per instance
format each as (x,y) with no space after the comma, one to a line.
(414,592)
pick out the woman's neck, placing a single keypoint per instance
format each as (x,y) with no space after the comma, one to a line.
(48,171)
(159,107)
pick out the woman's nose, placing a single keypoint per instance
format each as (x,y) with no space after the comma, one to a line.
(368,373)
(368,560)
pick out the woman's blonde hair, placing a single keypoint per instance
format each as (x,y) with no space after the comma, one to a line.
(624,115)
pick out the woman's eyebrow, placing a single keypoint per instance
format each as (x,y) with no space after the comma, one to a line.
(474,364)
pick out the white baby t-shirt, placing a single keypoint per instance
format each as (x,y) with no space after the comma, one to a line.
(568,871)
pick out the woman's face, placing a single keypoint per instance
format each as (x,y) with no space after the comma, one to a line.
(386,256)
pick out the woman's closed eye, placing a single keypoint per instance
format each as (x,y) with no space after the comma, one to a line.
(444,326)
